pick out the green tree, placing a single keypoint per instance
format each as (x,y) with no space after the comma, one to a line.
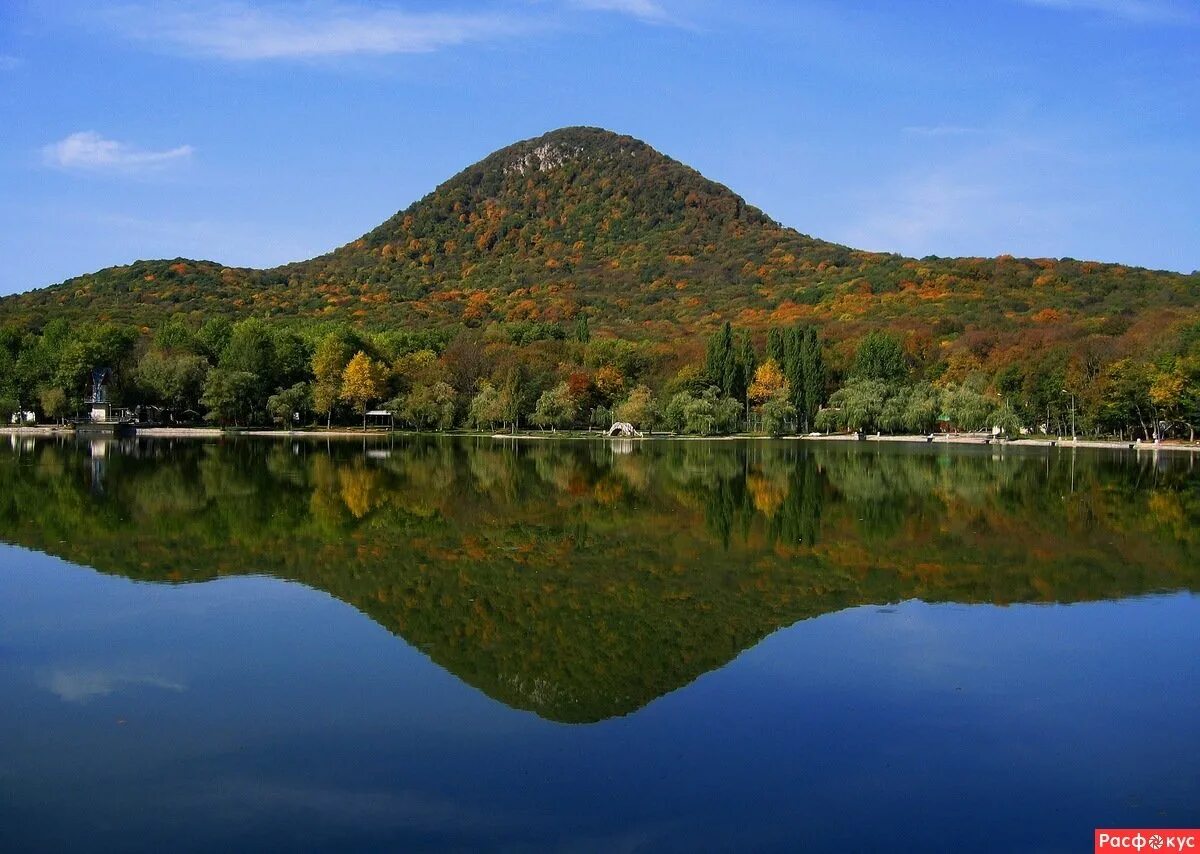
(858,405)
(293,358)
(285,405)
(512,396)
(213,337)
(704,414)
(54,402)
(105,346)
(674,413)
(329,360)
(777,412)
(880,356)
(747,364)
(776,346)
(1005,418)
(700,415)
(811,375)
(176,336)
(251,350)
(918,408)
(967,409)
(229,395)
(173,379)
(556,407)
(428,406)
(726,362)
(415,369)
(487,407)
(1126,403)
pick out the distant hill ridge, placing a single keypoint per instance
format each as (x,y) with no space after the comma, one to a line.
(586,220)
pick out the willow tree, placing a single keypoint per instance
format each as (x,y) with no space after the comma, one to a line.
(556,407)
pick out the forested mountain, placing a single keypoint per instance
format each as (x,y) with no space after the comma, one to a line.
(572,277)
(585,220)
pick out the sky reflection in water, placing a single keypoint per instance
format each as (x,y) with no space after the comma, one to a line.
(691,645)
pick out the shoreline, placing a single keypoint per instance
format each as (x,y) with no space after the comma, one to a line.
(47,430)
(936,439)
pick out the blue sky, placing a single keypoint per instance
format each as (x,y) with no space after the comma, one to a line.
(254,133)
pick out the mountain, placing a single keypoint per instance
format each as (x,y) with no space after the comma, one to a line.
(582,219)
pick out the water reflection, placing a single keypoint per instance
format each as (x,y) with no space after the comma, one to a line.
(581,580)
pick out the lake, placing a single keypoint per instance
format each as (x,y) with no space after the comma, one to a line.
(419,643)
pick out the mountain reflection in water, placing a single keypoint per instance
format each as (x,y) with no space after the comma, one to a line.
(582,580)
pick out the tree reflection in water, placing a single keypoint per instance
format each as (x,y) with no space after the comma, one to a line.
(581,580)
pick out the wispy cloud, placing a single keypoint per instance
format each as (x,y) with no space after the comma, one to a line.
(922,211)
(264,31)
(1005,192)
(644,10)
(80,685)
(89,151)
(8,62)
(1137,11)
(942,130)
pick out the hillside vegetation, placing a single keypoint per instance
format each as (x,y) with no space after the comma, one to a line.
(582,219)
(584,250)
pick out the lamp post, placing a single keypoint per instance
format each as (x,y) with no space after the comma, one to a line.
(1064,391)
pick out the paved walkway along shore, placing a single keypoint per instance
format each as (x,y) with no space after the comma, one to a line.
(1023,442)
(350,433)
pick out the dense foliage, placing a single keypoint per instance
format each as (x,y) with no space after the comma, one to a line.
(253,373)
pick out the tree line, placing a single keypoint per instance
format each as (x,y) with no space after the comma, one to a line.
(511,376)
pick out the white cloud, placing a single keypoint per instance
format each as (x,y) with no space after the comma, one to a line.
(80,685)
(242,31)
(1138,11)
(645,10)
(88,150)
(9,62)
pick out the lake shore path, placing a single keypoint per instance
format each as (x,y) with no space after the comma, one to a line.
(353,433)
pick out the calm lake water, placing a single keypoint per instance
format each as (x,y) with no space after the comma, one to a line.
(474,644)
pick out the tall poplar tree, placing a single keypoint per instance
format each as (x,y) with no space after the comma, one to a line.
(813,377)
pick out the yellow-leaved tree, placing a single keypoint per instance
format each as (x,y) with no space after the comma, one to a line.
(768,383)
(362,383)
(770,390)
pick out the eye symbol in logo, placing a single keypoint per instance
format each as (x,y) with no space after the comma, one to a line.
(1156,842)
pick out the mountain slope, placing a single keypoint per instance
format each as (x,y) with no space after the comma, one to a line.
(583,219)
